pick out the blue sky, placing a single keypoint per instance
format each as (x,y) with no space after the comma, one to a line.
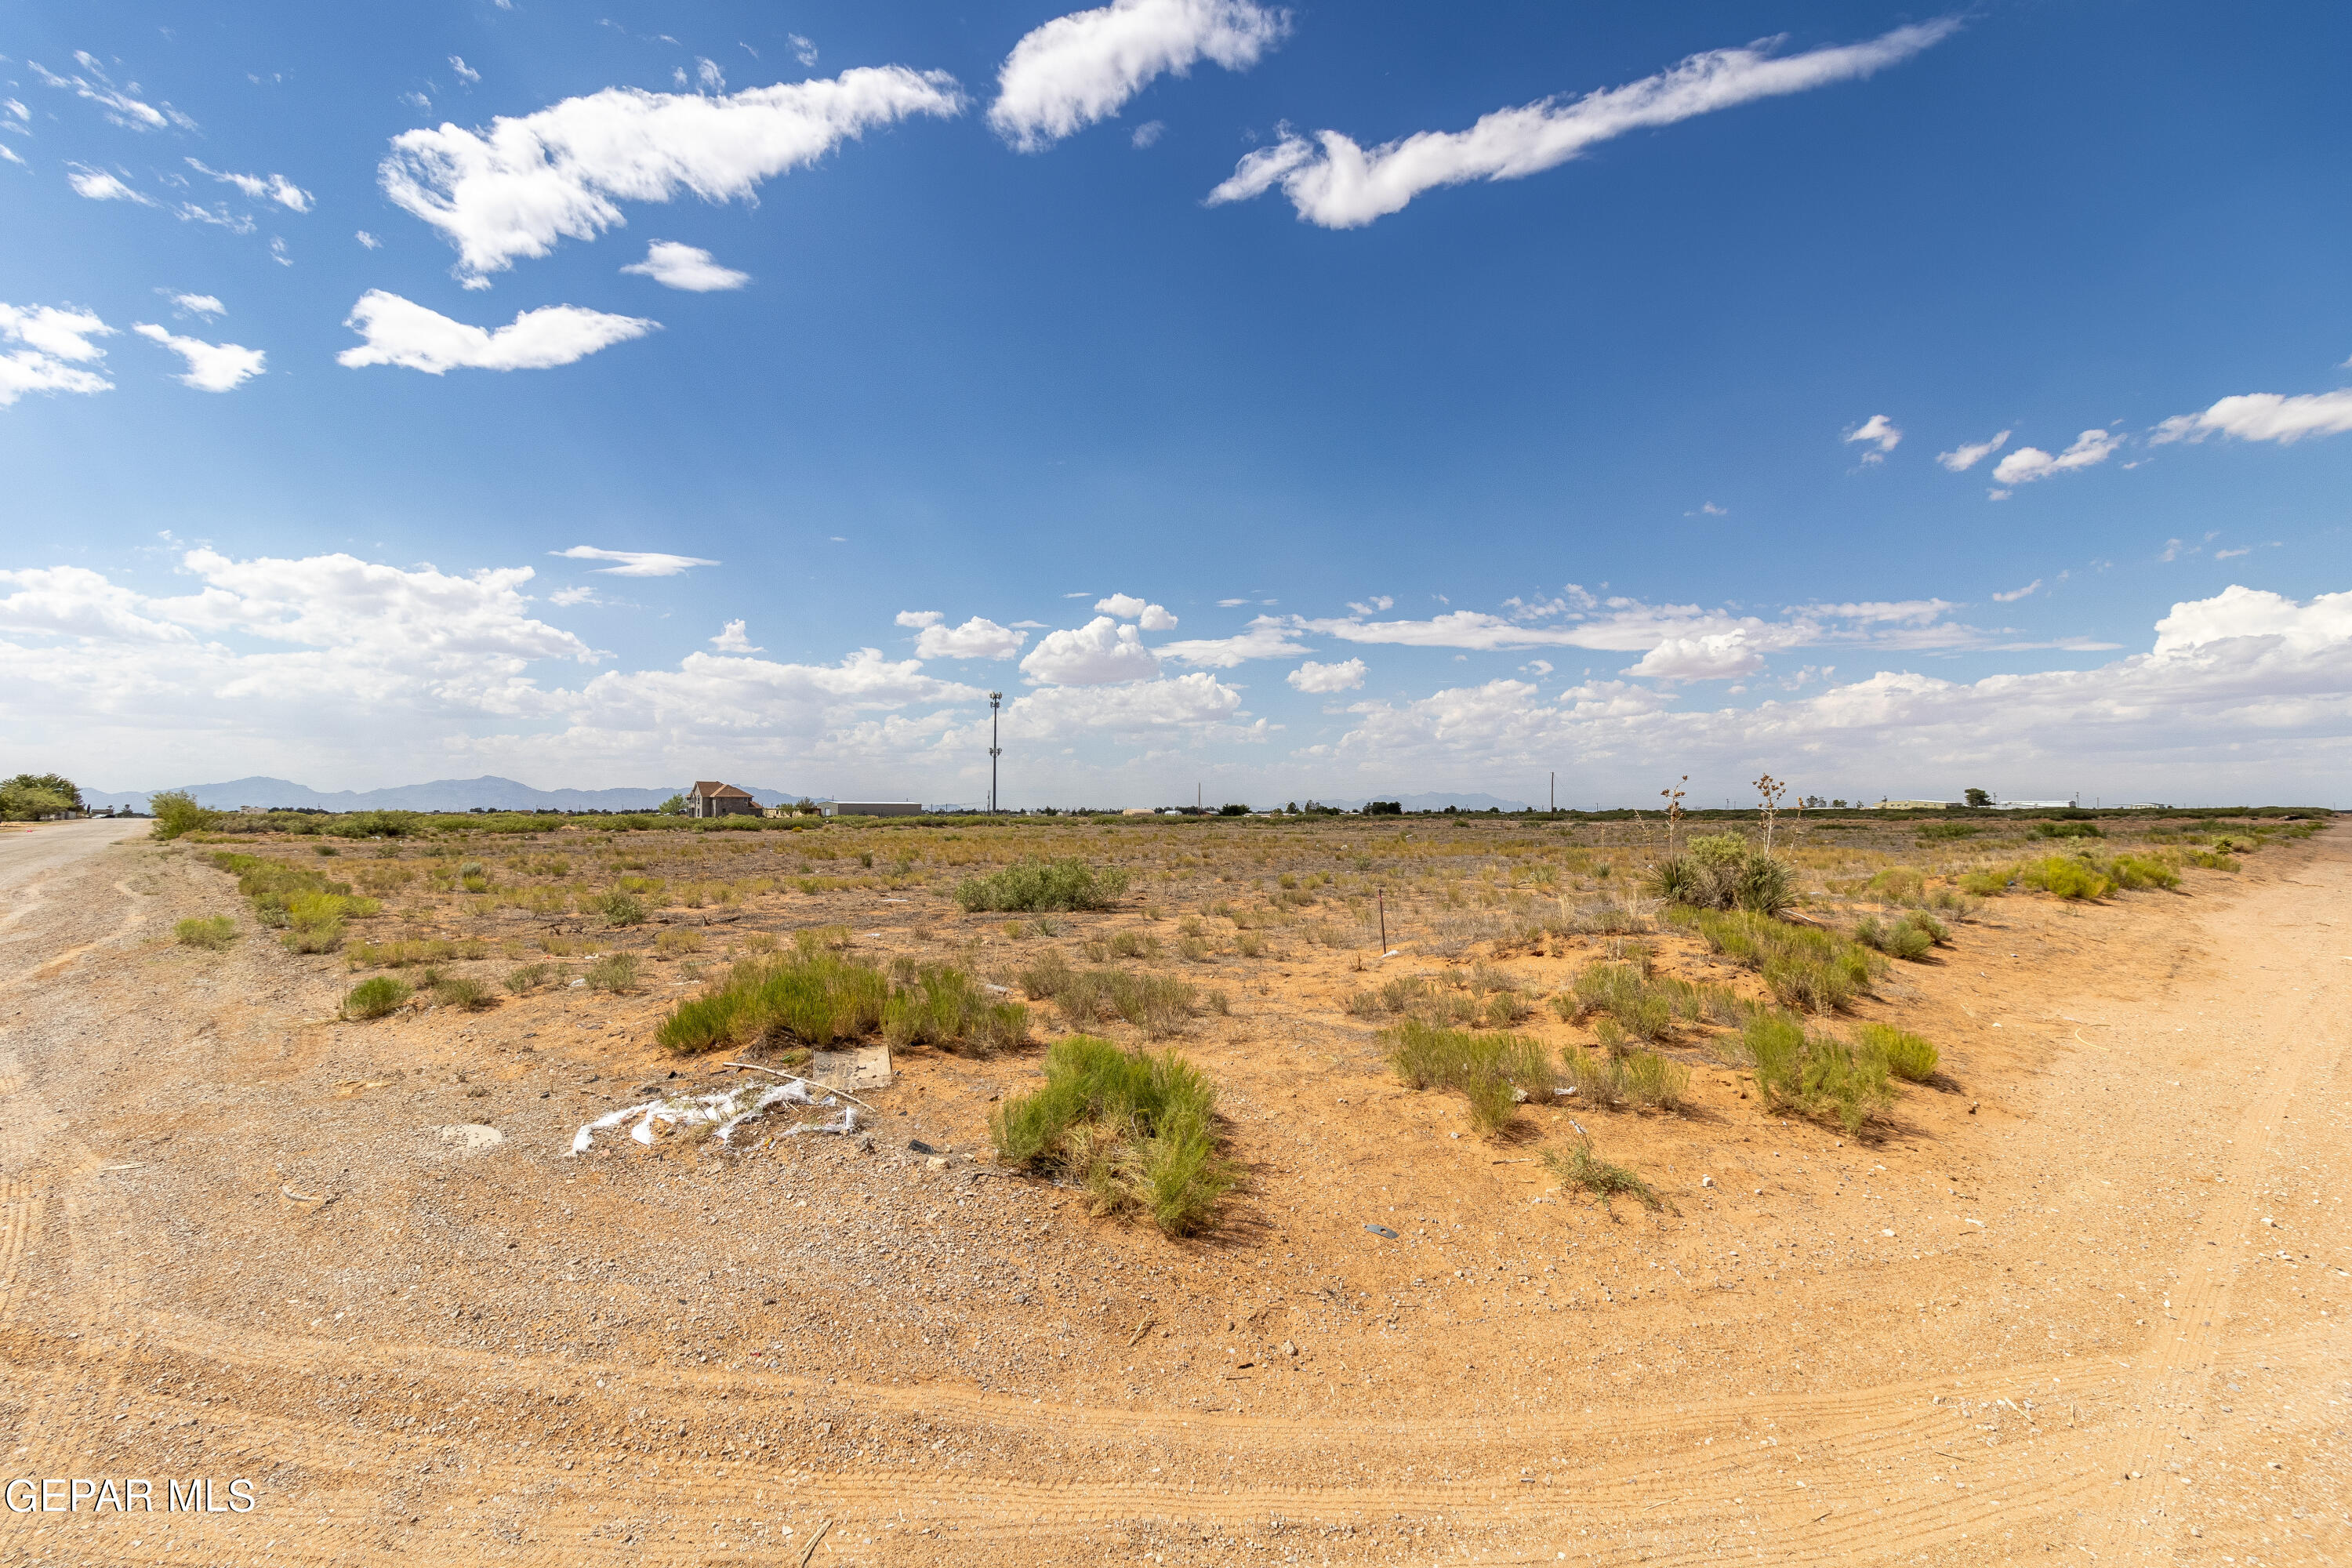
(1183,370)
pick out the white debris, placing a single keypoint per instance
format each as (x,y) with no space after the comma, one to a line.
(724,1112)
(473,1135)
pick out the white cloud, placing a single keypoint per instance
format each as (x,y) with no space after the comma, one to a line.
(1268,637)
(98,185)
(675,266)
(368,240)
(1334,181)
(2029,463)
(212,368)
(399,331)
(802,50)
(1370,607)
(1147,134)
(55,350)
(122,105)
(918,620)
(1229,604)
(2014,594)
(73,601)
(207,305)
(1127,607)
(218,215)
(15,107)
(1968,454)
(2263,416)
(730,639)
(1717,656)
(11,154)
(2233,554)
(1877,431)
(1324,678)
(1079,68)
(568,597)
(1200,703)
(634,563)
(1709,508)
(513,190)
(1099,653)
(260,187)
(978,637)
(465,73)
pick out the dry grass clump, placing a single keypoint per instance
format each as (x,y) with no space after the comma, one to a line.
(1577,1166)
(215,932)
(460,991)
(1908,1057)
(1135,1127)
(301,901)
(614,971)
(532,977)
(400,953)
(1618,1073)
(1493,1071)
(1814,1075)
(1804,967)
(677,943)
(375,996)
(933,1004)
(1029,886)
(815,997)
(1910,936)
(1159,1005)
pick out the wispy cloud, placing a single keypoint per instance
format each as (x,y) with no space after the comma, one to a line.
(2263,416)
(55,352)
(1879,433)
(2014,594)
(2028,464)
(675,266)
(1080,69)
(123,105)
(1968,454)
(98,185)
(260,187)
(212,368)
(634,563)
(1334,181)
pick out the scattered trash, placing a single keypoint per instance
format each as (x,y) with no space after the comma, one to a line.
(305,1200)
(722,1111)
(860,1067)
(920,1147)
(577,983)
(1000,990)
(1381,1230)
(1564,1093)
(473,1135)
(1706,1181)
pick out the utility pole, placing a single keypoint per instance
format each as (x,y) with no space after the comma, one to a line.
(1555,793)
(994,750)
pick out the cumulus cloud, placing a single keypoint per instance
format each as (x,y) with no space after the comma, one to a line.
(978,637)
(634,563)
(98,185)
(261,187)
(1879,433)
(1718,657)
(1324,678)
(1101,653)
(54,351)
(1268,637)
(205,305)
(1334,181)
(76,602)
(675,266)
(1196,702)
(512,191)
(2263,416)
(400,331)
(1968,454)
(212,368)
(917,620)
(731,639)
(1127,607)
(1082,68)
(2029,463)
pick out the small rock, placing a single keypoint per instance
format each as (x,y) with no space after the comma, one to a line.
(936,1162)
(1289,1349)
(1706,1181)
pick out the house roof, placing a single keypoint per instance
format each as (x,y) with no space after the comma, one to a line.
(713,788)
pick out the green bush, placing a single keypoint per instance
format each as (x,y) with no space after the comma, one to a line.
(463,991)
(2135,872)
(1985,884)
(1487,1068)
(1907,1056)
(613,971)
(1725,872)
(1619,990)
(1159,1005)
(809,997)
(1803,966)
(2063,877)
(374,997)
(1032,886)
(211,931)
(177,812)
(2067,831)
(531,977)
(1135,1128)
(1900,938)
(938,1005)
(620,908)
(1814,1075)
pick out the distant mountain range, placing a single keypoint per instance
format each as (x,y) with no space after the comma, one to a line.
(442,794)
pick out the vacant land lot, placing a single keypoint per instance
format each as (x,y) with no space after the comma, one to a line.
(2026,1240)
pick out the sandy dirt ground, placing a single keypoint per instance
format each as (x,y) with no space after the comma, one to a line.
(2086,1297)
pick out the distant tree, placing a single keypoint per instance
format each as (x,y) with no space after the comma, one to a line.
(1383,809)
(674,806)
(51,783)
(807,807)
(1977,798)
(1232,808)
(1838,803)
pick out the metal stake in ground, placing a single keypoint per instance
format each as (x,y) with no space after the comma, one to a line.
(1380,901)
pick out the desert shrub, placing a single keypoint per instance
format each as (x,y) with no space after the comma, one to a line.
(2063,877)
(1504,1009)
(374,997)
(1814,1075)
(177,812)
(613,971)
(1576,1166)
(2067,831)
(1908,1057)
(674,943)
(1900,884)
(1619,990)
(531,977)
(1034,885)
(2135,872)
(1596,1075)
(809,997)
(1935,830)
(1364,1005)
(463,991)
(1803,966)
(1159,1005)
(1605,916)
(937,1005)
(1985,884)
(213,932)
(1725,872)
(1897,938)
(1399,995)
(1936,930)
(1493,1072)
(2210,860)
(1653,1081)
(1135,1128)
(620,908)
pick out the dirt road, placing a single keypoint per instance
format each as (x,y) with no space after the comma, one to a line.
(2103,1315)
